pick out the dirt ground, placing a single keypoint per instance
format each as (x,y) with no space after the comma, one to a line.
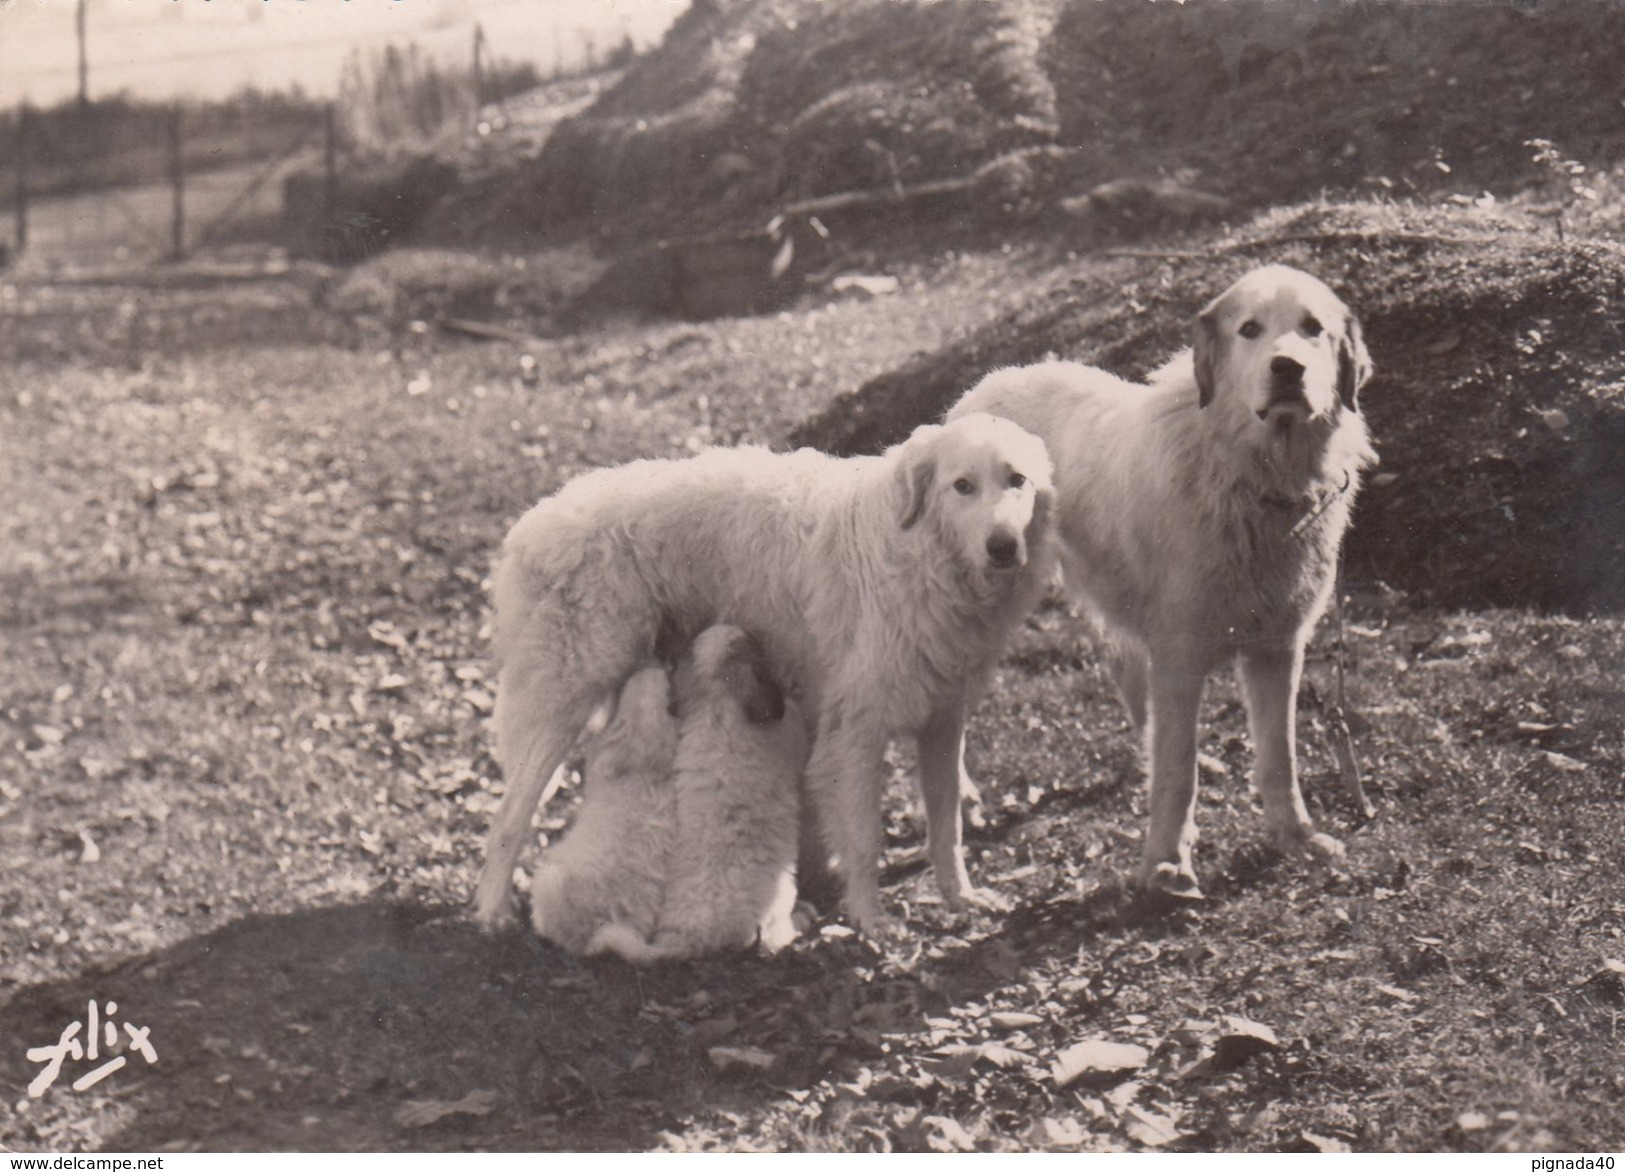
(247,774)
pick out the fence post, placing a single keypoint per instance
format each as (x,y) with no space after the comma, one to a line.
(177,178)
(330,167)
(22,178)
(84,59)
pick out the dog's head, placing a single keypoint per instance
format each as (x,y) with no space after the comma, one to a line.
(1281,345)
(640,739)
(726,664)
(985,482)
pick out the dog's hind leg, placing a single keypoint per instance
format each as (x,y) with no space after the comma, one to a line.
(1176,678)
(573,622)
(536,724)
(1269,683)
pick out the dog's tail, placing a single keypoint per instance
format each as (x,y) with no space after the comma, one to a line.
(630,945)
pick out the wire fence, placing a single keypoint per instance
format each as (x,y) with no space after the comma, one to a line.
(118,183)
(122,184)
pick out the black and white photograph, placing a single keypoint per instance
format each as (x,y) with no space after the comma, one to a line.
(812,576)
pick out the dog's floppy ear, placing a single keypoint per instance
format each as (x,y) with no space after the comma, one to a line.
(1353,363)
(1204,352)
(916,470)
(751,684)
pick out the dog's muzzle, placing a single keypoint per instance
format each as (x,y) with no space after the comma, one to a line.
(1286,387)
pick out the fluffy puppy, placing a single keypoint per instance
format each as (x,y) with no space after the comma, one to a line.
(732,850)
(612,866)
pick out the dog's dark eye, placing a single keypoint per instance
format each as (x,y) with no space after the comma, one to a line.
(1250,329)
(964,487)
(1017,480)
(1312,327)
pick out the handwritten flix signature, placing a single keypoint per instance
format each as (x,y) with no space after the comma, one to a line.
(90,1049)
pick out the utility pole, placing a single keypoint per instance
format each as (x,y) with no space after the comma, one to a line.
(84,59)
(479,69)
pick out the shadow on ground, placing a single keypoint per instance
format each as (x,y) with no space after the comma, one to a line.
(316,1030)
(387,1026)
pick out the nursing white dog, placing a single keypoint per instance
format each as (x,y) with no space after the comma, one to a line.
(880,588)
(1200,519)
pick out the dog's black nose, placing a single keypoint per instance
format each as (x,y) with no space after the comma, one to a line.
(1285,368)
(1003,550)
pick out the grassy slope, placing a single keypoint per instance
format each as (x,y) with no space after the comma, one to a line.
(242,657)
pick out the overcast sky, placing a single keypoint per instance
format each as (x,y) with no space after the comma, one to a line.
(211,48)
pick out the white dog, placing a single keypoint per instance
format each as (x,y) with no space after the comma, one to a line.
(613,865)
(730,879)
(686,838)
(881,589)
(1200,519)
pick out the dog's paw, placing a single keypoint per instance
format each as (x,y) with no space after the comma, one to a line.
(972,898)
(1305,841)
(881,927)
(1326,848)
(1171,881)
(495,914)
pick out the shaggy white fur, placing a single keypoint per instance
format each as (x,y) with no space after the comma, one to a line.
(881,589)
(613,865)
(699,853)
(731,872)
(1200,519)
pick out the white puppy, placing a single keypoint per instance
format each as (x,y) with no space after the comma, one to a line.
(612,865)
(686,839)
(731,881)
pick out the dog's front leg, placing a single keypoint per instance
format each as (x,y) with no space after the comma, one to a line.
(945,784)
(845,779)
(1176,677)
(1269,682)
(1127,664)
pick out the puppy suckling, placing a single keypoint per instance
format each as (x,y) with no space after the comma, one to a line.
(687,831)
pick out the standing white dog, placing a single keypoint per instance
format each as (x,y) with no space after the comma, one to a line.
(1200,519)
(881,589)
